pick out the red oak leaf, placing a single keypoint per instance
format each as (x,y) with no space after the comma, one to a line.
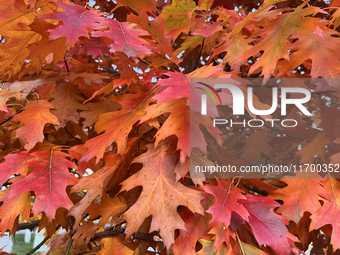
(17,163)
(126,38)
(196,228)
(226,202)
(48,181)
(268,229)
(76,22)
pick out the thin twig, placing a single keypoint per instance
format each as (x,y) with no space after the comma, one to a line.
(38,246)
(138,235)
(107,60)
(78,139)
(1,123)
(148,237)
(199,55)
(30,76)
(6,120)
(89,246)
(31,226)
(149,131)
(68,70)
(111,71)
(43,241)
(144,61)
(69,247)
(325,91)
(113,232)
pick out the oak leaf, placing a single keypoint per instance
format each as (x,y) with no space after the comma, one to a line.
(126,38)
(17,163)
(25,87)
(19,205)
(114,246)
(16,35)
(329,211)
(5,96)
(95,185)
(108,208)
(67,103)
(45,48)
(256,145)
(138,6)
(275,35)
(176,17)
(314,147)
(268,229)
(301,195)
(155,28)
(117,125)
(196,228)
(48,181)
(179,85)
(226,202)
(319,48)
(222,234)
(93,111)
(35,116)
(85,232)
(76,21)
(247,249)
(161,195)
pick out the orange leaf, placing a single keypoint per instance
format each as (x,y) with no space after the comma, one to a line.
(35,116)
(161,195)
(114,246)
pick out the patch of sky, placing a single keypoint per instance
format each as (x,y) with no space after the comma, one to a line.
(92,3)
(138,70)
(180,54)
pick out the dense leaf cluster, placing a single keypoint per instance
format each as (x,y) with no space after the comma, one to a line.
(105,85)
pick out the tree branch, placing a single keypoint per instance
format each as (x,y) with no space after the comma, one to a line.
(113,232)
(38,246)
(69,245)
(326,91)
(200,54)
(138,235)
(144,61)
(26,225)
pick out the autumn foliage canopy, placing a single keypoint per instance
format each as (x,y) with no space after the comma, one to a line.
(96,114)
